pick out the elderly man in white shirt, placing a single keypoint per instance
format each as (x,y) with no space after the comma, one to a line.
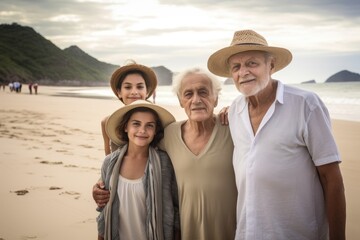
(285,157)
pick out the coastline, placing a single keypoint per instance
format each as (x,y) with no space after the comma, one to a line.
(51,146)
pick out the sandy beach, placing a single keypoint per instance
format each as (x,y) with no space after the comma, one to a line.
(51,154)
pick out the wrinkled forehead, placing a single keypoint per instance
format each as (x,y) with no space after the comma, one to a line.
(196,81)
(247,55)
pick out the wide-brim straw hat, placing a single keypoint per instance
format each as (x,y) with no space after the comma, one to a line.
(246,40)
(114,120)
(150,77)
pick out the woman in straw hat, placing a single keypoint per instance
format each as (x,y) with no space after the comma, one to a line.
(289,181)
(129,83)
(143,191)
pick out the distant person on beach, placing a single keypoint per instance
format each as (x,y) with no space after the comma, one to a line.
(154,96)
(11,86)
(16,86)
(286,161)
(200,149)
(129,83)
(143,191)
(35,86)
(30,87)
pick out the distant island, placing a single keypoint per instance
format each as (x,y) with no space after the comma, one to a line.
(310,81)
(344,76)
(26,56)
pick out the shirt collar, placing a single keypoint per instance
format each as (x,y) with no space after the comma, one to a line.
(280,92)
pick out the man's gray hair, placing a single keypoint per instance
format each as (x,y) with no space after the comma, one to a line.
(214,81)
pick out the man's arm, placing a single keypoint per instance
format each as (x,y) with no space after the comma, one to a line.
(100,195)
(334,193)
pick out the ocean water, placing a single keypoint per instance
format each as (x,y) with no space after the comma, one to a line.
(341,99)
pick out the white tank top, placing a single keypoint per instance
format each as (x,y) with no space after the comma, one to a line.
(132,210)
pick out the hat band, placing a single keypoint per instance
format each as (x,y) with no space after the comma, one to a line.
(258,44)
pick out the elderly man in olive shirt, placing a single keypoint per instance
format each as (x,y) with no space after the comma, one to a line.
(201,151)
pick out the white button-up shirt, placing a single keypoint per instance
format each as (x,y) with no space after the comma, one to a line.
(279,191)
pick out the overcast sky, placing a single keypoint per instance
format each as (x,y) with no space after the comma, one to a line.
(323,35)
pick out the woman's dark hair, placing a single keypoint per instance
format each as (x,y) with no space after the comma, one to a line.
(141,73)
(123,136)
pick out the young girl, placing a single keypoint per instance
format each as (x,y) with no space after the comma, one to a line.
(143,191)
(129,83)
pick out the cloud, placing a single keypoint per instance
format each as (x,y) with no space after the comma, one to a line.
(183,33)
(347,8)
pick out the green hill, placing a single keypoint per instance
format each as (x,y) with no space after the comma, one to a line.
(27,56)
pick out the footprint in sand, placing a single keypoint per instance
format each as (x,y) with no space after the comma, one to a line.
(51,163)
(21,192)
(61,150)
(72,193)
(86,146)
(48,135)
(29,237)
(89,220)
(70,166)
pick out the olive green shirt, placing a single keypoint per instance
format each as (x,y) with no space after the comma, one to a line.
(206,184)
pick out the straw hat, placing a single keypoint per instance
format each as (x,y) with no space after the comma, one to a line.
(114,120)
(150,77)
(246,40)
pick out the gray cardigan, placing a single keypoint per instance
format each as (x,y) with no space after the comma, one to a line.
(171,221)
